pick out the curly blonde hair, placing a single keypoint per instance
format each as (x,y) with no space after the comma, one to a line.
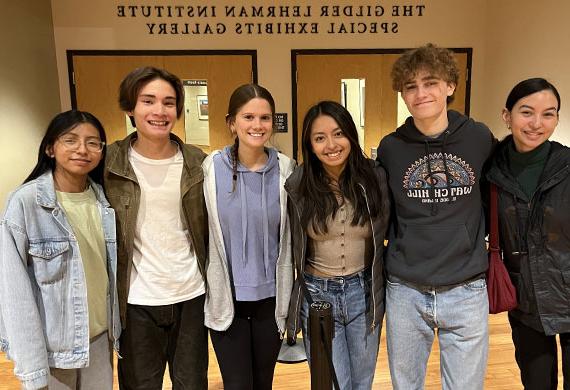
(436,60)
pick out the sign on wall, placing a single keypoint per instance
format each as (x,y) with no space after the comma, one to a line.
(280,119)
(279,19)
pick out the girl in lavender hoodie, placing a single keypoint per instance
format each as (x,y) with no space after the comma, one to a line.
(249,270)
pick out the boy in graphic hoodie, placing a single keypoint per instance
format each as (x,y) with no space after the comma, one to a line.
(436,259)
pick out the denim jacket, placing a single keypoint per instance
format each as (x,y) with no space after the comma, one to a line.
(43,295)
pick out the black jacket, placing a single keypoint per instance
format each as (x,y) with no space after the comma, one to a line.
(299,239)
(437,236)
(535,239)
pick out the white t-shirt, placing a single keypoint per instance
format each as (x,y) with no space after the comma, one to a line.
(165,268)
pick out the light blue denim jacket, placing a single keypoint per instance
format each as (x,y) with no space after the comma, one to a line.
(43,296)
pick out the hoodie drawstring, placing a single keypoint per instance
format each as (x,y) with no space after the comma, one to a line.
(265,223)
(242,196)
(431,189)
(264,218)
(444,157)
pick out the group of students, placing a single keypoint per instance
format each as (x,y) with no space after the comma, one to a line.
(141,246)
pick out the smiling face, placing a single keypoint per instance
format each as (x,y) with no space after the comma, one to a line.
(425,96)
(74,152)
(253,124)
(330,145)
(532,120)
(155,110)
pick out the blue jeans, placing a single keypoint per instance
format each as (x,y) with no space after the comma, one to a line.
(355,345)
(458,312)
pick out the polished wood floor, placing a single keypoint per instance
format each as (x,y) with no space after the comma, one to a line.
(502,371)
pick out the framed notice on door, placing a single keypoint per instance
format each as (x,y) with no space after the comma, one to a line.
(202,101)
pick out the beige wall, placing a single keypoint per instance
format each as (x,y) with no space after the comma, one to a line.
(525,39)
(29,94)
(511,40)
(94,25)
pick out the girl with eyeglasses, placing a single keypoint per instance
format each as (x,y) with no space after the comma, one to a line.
(58,302)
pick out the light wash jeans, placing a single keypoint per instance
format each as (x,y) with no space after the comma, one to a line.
(459,315)
(355,345)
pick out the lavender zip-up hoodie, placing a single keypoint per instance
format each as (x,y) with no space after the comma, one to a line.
(219,307)
(249,216)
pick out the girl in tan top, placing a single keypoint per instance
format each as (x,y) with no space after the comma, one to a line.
(339,214)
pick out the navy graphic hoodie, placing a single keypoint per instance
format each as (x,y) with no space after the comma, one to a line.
(436,237)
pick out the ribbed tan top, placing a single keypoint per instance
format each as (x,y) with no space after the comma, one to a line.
(343,250)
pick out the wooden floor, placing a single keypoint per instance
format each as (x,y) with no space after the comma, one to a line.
(502,372)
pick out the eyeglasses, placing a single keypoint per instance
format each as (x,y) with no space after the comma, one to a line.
(74,143)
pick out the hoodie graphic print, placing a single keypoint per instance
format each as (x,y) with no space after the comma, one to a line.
(437,233)
(447,174)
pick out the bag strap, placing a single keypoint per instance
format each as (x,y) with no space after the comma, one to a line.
(494,217)
(327,343)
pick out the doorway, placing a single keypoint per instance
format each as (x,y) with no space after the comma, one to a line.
(328,75)
(209,78)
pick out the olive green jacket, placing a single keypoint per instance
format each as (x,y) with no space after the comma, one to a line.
(123,192)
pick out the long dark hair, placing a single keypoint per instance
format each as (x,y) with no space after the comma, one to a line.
(60,125)
(315,184)
(240,97)
(528,87)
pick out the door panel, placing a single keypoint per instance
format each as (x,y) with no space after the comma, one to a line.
(97,80)
(319,77)
(458,103)
(224,74)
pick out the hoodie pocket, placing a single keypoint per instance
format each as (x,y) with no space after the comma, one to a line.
(426,243)
(49,260)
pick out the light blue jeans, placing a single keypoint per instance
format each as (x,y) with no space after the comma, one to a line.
(458,314)
(355,344)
